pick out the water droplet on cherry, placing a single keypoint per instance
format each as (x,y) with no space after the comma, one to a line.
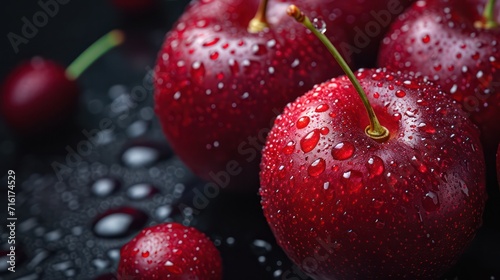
(309,142)
(317,167)
(343,151)
(303,122)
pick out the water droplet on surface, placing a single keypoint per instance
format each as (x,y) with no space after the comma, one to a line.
(261,247)
(430,202)
(140,156)
(259,49)
(119,222)
(426,39)
(322,108)
(309,142)
(104,187)
(210,42)
(375,166)
(289,148)
(317,167)
(343,151)
(234,66)
(400,93)
(353,180)
(172,268)
(141,191)
(198,71)
(137,128)
(302,122)
(320,25)
(214,55)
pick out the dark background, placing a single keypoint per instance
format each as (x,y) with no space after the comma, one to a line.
(55,218)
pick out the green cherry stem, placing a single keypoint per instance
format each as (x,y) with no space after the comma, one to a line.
(488,21)
(259,22)
(94,52)
(375,130)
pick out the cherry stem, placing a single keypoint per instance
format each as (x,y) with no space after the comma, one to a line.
(375,130)
(259,21)
(489,15)
(94,52)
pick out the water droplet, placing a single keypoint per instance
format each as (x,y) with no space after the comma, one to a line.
(426,39)
(418,164)
(324,130)
(322,108)
(234,66)
(343,151)
(353,180)
(210,42)
(119,222)
(375,166)
(400,93)
(261,247)
(145,254)
(198,71)
(475,56)
(430,202)
(317,167)
(320,25)
(309,142)
(289,148)
(104,187)
(172,268)
(397,116)
(379,224)
(144,155)
(259,49)
(214,55)
(141,191)
(303,122)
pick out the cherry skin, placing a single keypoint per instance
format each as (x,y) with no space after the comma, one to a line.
(38,96)
(345,206)
(218,86)
(441,40)
(170,251)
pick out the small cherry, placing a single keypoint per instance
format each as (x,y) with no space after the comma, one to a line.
(453,44)
(225,70)
(400,198)
(39,95)
(170,251)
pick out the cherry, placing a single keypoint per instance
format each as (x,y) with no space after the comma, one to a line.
(170,251)
(221,77)
(453,44)
(39,95)
(400,200)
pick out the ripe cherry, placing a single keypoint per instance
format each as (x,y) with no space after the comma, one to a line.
(40,95)
(399,201)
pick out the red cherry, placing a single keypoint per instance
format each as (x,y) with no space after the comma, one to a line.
(361,204)
(449,43)
(170,251)
(40,95)
(218,85)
